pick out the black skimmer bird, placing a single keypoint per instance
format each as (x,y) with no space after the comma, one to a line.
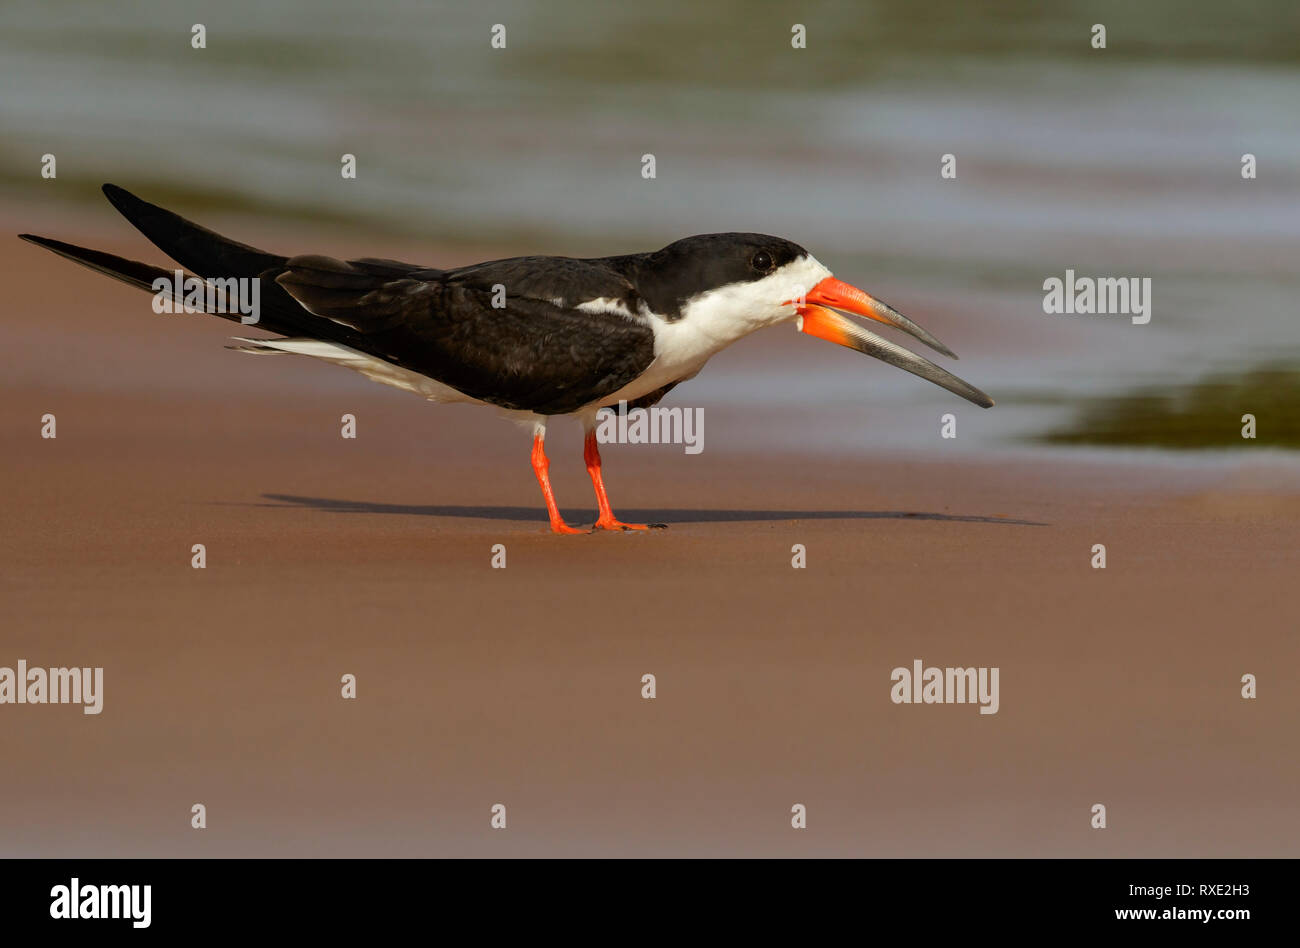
(533,336)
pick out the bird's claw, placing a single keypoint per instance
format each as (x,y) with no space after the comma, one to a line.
(624,527)
(564,528)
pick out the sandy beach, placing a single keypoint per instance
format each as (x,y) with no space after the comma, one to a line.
(522,685)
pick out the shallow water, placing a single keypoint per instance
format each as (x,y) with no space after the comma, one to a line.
(1116,162)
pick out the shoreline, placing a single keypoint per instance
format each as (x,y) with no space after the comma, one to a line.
(373,557)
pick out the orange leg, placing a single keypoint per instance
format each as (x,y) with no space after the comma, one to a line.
(607,520)
(540,467)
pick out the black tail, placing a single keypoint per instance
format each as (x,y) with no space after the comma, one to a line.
(130,272)
(208,255)
(205,252)
(137,274)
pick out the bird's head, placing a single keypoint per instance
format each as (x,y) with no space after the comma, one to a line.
(730,285)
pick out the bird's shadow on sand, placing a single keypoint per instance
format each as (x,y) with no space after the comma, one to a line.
(665,515)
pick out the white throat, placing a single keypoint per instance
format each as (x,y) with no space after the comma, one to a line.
(715,319)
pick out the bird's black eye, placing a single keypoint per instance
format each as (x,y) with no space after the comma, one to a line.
(762,262)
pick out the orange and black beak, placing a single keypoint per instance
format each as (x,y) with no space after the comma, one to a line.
(816,319)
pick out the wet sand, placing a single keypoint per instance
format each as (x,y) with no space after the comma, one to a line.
(521,686)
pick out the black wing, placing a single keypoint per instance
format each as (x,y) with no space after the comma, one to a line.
(538,353)
(529,353)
